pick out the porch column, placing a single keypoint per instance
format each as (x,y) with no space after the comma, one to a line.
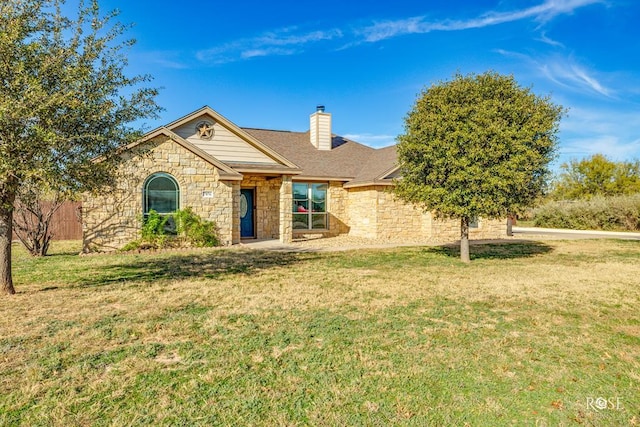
(286,209)
(235,214)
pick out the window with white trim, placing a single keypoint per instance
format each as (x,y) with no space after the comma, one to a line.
(310,206)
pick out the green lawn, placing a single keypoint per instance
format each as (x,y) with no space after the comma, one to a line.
(530,333)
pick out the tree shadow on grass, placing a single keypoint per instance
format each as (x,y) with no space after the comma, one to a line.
(495,250)
(209,265)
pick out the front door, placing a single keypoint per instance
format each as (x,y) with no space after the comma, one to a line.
(246,213)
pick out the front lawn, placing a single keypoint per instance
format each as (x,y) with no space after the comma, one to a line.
(530,333)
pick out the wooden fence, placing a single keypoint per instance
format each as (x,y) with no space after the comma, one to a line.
(66,223)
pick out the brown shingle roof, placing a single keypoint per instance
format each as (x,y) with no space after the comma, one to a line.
(381,163)
(347,161)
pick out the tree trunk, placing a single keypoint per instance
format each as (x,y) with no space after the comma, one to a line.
(464,240)
(6,217)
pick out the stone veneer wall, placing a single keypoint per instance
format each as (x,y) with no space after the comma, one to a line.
(338,209)
(112,219)
(286,207)
(375,212)
(363,215)
(235,212)
(449,229)
(398,220)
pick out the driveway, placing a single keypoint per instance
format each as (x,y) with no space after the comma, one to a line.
(558,233)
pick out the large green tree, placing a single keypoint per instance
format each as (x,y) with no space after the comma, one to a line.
(64,100)
(596,176)
(476,146)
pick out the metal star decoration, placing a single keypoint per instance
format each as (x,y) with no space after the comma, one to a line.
(205,130)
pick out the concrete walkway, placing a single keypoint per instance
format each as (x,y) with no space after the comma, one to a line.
(276,245)
(345,243)
(329,244)
(271,245)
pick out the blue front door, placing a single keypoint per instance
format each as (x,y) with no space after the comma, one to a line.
(246,213)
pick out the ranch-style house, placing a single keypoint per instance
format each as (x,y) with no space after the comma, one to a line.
(262,184)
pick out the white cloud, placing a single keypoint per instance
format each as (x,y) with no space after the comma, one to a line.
(545,39)
(517,55)
(612,132)
(565,72)
(602,120)
(581,76)
(569,74)
(296,39)
(611,146)
(286,38)
(279,42)
(388,29)
(552,8)
(417,25)
(254,53)
(165,59)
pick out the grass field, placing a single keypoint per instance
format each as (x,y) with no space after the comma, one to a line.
(530,333)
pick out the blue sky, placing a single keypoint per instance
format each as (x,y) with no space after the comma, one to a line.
(268,64)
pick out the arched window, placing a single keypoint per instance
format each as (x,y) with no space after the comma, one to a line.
(161,194)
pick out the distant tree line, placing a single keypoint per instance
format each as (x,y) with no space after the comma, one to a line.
(596,176)
(593,193)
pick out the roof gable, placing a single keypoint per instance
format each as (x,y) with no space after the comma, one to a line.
(226,141)
(379,169)
(225,171)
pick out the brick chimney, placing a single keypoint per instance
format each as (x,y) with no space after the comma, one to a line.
(320,129)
